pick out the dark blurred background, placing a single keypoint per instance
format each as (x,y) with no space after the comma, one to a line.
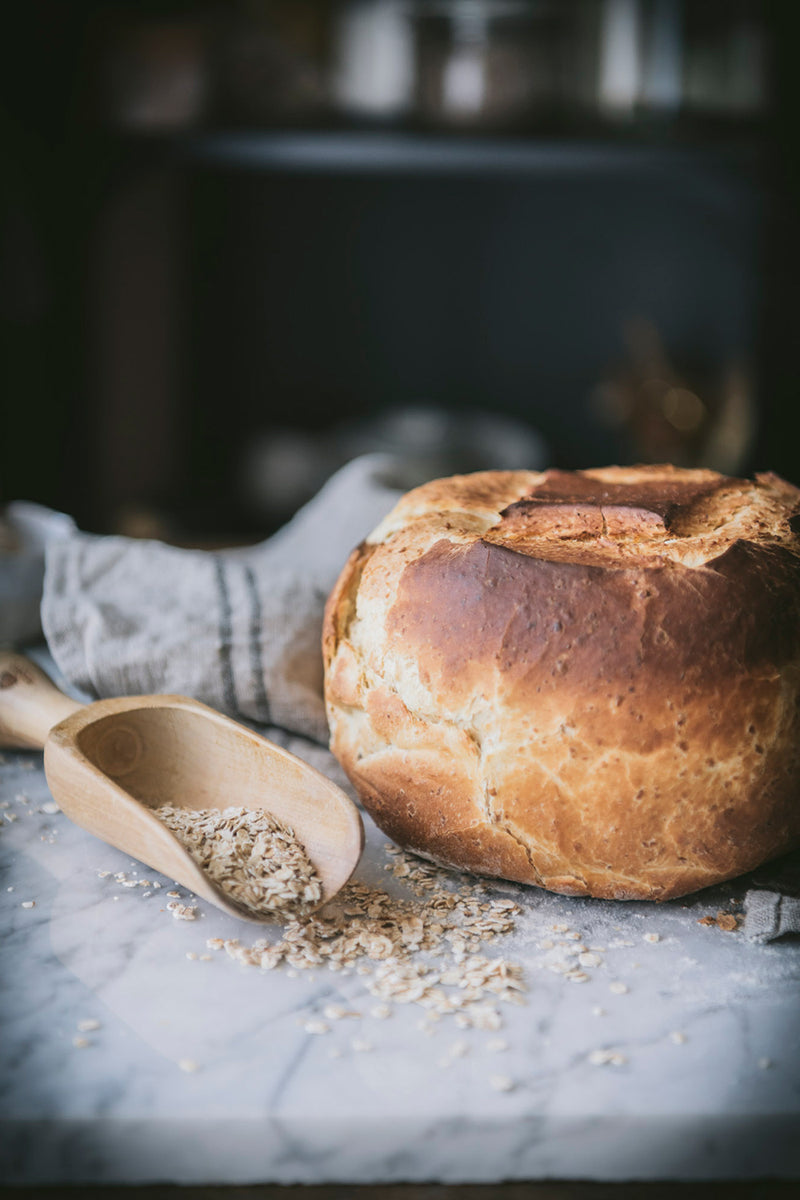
(242,242)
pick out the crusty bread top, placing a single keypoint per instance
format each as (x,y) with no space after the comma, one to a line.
(609,516)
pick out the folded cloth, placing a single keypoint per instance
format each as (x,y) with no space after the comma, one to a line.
(770,915)
(772,902)
(239,630)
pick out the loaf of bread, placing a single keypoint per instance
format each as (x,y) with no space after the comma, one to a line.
(588,681)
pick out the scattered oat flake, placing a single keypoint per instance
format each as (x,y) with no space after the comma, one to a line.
(182,912)
(189,1065)
(316,1026)
(602,1058)
(80,1043)
(587,959)
(559,928)
(21,798)
(205,958)
(652,937)
(88,1024)
(618,988)
(381,1011)
(172,895)
(28,903)
(501,1083)
(50,807)
(336,1012)
(677,1037)
(190,954)
(497,1045)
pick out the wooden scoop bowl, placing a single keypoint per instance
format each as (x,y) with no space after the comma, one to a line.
(108,764)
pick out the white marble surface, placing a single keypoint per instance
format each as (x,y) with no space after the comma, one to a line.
(269,1103)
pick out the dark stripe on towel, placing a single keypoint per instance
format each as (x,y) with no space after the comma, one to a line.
(225,637)
(256,657)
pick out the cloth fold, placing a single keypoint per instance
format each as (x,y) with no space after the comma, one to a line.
(770,915)
(239,630)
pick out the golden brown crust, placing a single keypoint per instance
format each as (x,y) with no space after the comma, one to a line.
(588,681)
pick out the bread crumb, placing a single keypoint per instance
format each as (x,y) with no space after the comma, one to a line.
(501,1083)
(727,921)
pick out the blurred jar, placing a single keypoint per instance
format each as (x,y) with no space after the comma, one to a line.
(482,63)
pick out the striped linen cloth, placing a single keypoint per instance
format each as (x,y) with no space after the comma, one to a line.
(239,630)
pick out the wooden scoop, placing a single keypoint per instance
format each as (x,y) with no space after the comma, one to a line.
(109,763)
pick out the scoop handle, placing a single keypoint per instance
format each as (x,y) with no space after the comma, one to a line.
(30,703)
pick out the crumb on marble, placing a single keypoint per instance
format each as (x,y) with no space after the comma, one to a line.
(28,904)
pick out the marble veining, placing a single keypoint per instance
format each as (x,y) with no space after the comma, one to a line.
(707,1084)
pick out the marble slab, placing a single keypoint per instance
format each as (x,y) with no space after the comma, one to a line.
(706,1082)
